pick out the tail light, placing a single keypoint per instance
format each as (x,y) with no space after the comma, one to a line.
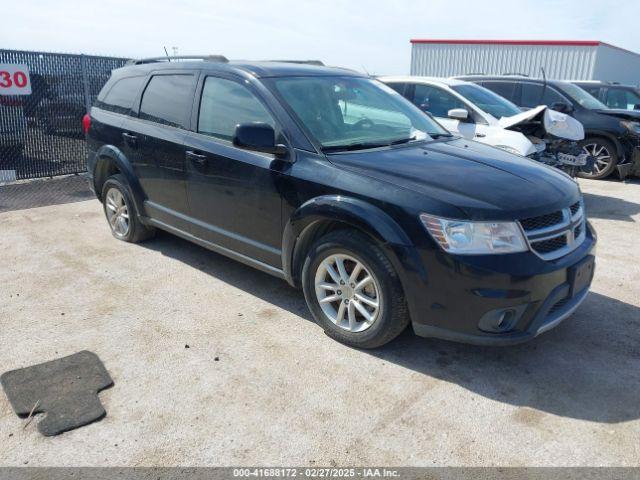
(86,123)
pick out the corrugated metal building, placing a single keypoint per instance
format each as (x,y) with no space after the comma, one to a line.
(562,60)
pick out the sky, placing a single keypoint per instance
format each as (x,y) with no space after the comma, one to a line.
(371,36)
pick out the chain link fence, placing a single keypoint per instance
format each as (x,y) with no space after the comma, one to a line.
(41,133)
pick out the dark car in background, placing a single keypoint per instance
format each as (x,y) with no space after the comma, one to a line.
(334,182)
(612,136)
(613,95)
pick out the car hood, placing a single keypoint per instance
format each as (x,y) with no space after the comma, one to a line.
(555,123)
(482,181)
(620,113)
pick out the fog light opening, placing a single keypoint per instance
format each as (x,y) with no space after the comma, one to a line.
(501,320)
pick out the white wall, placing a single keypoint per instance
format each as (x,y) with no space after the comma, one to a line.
(615,64)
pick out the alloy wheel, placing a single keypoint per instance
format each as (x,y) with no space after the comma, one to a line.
(600,153)
(117,212)
(348,293)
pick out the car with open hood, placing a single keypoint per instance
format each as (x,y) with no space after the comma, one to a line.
(476,113)
(333,182)
(612,136)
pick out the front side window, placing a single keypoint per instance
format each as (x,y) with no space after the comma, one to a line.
(624,99)
(487,101)
(121,95)
(353,112)
(435,100)
(225,104)
(581,97)
(167,100)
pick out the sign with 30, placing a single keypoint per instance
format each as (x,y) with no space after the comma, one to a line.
(14,79)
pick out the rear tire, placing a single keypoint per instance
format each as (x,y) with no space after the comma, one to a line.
(354,311)
(120,211)
(606,155)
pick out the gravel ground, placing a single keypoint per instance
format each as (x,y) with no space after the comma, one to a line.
(261,384)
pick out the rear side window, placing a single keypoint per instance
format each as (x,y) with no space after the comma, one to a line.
(532,95)
(225,104)
(167,100)
(507,90)
(398,87)
(119,98)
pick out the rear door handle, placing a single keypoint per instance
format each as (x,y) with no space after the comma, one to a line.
(196,157)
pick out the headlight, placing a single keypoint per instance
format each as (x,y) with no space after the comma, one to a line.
(633,127)
(475,238)
(509,149)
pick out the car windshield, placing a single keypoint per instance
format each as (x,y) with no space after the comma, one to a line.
(581,96)
(487,100)
(351,113)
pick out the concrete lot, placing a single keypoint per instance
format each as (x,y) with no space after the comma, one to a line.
(261,384)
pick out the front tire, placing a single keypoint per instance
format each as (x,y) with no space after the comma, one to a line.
(353,291)
(120,212)
(605,154)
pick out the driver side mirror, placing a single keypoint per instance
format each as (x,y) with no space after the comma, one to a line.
(258,137)
(461,114)
(562,107)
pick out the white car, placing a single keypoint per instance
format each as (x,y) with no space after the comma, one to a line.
(476,113)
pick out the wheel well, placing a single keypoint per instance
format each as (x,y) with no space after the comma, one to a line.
(105,168)
(309,236)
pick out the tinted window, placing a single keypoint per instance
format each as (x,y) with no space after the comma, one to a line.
(225,104)
(167,99)
(504,89)
(593,90)
(487,100)
(532,95)
(625,99)
(435,100)
(119,98)
(398,87)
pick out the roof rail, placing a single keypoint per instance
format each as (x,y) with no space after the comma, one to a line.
(475,73)
(205,58)
(318,63)
(514,74)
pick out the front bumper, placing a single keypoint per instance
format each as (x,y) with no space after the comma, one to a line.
(463,291)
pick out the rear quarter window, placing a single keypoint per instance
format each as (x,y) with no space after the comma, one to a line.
(120,96)
(168,99)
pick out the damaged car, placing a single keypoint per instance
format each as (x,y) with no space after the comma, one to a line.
(476,113)
(612,136)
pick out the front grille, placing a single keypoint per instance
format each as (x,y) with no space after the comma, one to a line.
(543,221)
(574,208)
(577,231)
(551,245)
(555,234)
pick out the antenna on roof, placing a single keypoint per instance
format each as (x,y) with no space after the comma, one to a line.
(544,85)
(365,71)
(167,54)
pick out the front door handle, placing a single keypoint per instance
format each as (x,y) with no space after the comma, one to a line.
(196,157)
(130,139)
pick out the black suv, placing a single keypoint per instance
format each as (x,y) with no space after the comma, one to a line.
(611,136)
(613,95)
(332,181)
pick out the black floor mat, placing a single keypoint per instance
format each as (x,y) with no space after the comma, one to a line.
(65,389)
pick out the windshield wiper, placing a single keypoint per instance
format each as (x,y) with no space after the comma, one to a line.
(365,145)
(436,136)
